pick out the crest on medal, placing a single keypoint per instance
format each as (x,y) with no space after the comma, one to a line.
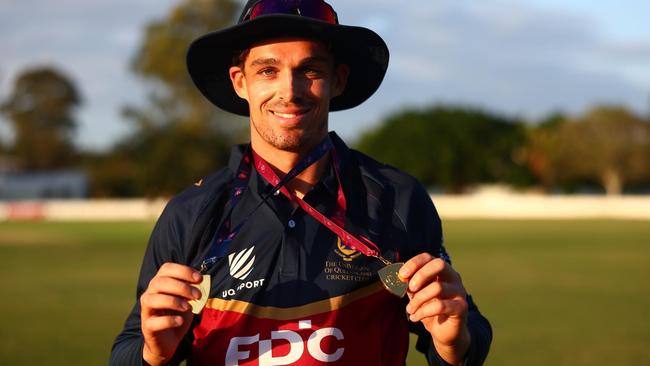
(345,252)
(391,280)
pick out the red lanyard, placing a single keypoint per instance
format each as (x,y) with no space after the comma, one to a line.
(225,234)
(336,223)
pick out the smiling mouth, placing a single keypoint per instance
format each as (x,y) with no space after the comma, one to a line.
(292,115)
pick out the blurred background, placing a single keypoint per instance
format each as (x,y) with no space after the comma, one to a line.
(529,122)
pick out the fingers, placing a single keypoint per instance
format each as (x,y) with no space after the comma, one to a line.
(173,286)
(170,289)
(179,272)
(413,264)
(424,268)
(165,302)
(165,311)
(436,289)
(440,307)
(159,323)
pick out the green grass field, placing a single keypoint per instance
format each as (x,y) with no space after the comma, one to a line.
(556,292)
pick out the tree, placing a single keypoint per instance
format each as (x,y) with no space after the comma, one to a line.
(448,146)
(179,136)
(161,62)
(608,144)
(40,110)
(541,150)
(157,163)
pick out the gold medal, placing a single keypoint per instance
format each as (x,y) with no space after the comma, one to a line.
(391,280)
(204,287)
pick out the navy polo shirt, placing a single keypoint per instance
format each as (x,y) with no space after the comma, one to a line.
(286,290)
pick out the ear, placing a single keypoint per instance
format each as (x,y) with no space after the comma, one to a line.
(238,80)
(341,73)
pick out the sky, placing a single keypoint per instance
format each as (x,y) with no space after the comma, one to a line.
(525,58)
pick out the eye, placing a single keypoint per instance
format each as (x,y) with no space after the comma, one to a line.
(312,72)
(267,71)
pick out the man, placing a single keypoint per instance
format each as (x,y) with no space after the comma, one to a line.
(292,233)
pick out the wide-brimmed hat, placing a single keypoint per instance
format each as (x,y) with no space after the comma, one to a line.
(210,56)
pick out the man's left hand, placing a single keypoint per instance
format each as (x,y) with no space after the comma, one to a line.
(439,301)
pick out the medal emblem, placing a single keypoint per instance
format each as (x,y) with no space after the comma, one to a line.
(204,287)
(389,276)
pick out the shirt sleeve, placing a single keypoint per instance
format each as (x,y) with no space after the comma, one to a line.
(164,246)
(426,221)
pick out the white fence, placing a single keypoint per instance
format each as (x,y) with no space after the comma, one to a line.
(79,210)
(537,206)
(480,205)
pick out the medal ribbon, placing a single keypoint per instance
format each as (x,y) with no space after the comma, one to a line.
(336,223)
(225,235)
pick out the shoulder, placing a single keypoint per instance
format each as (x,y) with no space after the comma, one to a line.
(184,208)
(385,176)
(375,174)
(411,211)
(177,232)
(198,195)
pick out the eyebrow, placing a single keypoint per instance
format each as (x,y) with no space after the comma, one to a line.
(315,59)
(264,62)
(272,61)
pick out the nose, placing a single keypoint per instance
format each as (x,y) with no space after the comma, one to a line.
(290,86)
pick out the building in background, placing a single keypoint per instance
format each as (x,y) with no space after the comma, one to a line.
(65,184)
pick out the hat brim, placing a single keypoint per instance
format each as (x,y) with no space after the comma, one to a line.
(210,57)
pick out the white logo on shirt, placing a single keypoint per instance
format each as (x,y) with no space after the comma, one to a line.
(297,345)
(241,264)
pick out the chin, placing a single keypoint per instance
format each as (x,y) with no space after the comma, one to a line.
(289,144)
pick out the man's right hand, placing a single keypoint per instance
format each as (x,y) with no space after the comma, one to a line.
(165,312)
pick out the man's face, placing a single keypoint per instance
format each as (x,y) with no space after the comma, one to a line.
(288,84)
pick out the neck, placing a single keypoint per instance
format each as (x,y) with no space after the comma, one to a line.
(283,161)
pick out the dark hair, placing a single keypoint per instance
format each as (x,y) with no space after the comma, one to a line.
(239,57)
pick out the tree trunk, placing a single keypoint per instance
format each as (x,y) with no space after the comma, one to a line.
(612,181)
